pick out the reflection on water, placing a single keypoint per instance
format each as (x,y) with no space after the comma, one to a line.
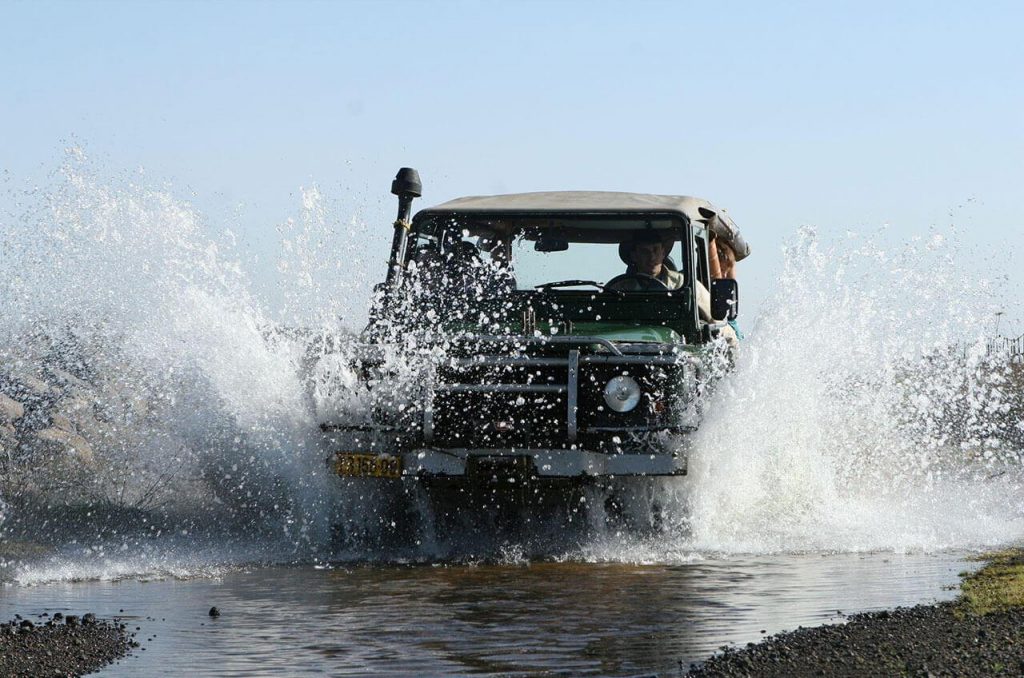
(562,618)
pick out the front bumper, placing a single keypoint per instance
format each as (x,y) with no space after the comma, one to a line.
(546,410)
(542,463)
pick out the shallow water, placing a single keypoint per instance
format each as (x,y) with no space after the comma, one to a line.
(883,431)
(539,618)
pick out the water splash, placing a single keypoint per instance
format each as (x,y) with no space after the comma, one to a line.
(153,377)
(864,412)
(848,425)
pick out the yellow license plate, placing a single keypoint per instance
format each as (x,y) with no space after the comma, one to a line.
(367,465)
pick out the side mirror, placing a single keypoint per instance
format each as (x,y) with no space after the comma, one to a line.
(725,299)
(551,244)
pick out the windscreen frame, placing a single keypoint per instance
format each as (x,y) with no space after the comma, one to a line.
(556,224)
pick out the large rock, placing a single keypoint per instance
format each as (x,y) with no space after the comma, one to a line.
(10,409)
(8,438)
(34,397)
(68,380)
(27,385)
(70,442)
(76,414)
(60,421)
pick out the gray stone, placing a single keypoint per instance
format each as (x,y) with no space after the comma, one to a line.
(67,379)
(76,407)
(8,438)
(60,421)
(70,441)
(10,409)
(33,385)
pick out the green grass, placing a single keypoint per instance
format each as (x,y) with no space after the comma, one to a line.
(996,587)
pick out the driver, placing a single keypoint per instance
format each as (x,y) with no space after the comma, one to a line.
(644,255)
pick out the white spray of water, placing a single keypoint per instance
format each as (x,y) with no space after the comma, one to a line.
(131,285)
(851,423)
(832,434)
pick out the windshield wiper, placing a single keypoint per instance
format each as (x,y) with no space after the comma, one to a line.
(568,283)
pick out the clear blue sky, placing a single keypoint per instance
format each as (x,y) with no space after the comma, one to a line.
(845,115)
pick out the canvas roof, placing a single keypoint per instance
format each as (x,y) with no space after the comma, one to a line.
(557,202)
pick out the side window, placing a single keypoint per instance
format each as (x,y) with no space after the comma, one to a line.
(700,258)
(678,257)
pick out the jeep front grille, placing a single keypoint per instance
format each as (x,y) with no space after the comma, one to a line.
(536,402)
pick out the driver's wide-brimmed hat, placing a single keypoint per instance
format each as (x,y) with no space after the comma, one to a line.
(639,238)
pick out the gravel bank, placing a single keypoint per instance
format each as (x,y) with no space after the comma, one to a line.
(61,646)
(980,634)
(927,640)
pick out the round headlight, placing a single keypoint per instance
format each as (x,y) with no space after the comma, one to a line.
(622,394)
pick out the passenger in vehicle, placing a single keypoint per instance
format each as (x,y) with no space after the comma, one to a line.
(721,258)
(645,255)
(724,242)
(722,264)
(727,246)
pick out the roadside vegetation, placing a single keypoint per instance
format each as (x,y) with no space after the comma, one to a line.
(996,587)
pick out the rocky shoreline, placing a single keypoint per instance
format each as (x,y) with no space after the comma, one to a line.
(926,640)
(980,634)
(61,645)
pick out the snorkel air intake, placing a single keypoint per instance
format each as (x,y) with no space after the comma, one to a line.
(407,187)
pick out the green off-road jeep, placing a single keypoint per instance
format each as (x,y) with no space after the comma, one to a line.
(511,348)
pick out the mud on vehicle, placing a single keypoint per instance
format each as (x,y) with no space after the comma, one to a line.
(513,357)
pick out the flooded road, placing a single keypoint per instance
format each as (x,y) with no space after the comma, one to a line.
(537,618)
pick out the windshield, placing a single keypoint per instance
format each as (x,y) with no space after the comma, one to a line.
(581,253)
(582,261)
